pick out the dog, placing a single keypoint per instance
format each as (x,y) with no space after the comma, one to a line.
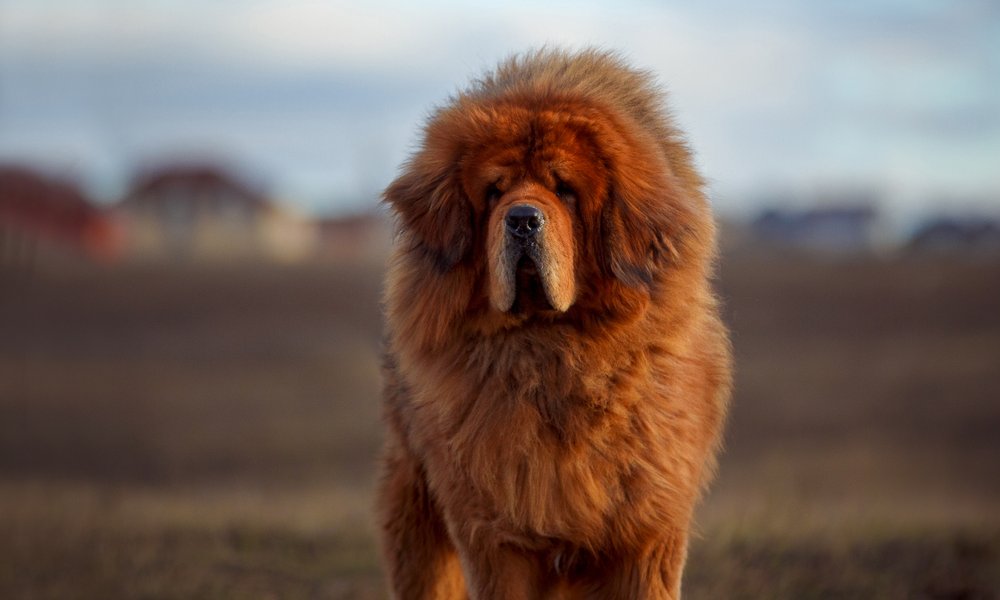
(556,372)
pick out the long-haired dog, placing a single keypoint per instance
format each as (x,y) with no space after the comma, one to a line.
(556,372)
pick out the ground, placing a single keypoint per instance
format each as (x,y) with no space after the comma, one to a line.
(180,432)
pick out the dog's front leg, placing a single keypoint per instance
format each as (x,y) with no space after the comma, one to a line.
(501,572)
(653,573)
(421,561)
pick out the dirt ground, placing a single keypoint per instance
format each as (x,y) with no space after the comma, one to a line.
(209,432)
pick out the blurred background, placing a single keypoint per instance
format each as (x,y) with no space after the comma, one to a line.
(191,254)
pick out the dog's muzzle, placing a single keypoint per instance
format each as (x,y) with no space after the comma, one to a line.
(531,261)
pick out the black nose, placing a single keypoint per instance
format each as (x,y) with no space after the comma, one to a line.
(524,220)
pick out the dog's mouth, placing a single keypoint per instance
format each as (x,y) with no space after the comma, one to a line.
(529,293)
(530,274)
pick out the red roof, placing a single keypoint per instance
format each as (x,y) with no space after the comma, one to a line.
(52,209)
(191,179)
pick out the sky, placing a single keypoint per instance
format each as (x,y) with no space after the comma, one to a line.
(319,102)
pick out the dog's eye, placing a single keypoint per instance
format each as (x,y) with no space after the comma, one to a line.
(493,194)
(566,193)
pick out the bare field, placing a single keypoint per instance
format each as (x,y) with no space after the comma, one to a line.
(175,432)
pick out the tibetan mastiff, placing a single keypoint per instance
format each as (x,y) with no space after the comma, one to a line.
(556,371)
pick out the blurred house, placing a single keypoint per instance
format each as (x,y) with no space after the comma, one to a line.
(42,219)
(943,235)
(834,229)
(354,237)
(202,213)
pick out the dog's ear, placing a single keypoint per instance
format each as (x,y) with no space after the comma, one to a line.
(635,248)
(434,212)
(641,222)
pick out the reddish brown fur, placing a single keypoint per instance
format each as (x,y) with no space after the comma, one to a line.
(550,453)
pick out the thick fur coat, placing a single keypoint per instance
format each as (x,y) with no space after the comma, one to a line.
(556,371)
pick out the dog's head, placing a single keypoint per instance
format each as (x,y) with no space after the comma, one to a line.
(551,200)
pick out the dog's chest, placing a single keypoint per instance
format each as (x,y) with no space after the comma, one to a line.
(536,440)
(540,460)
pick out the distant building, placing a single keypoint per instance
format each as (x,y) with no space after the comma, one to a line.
(835,229)
(942,235)
(202,213)
(41,218)
(354,237)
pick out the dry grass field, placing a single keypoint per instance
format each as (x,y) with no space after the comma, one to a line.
(211,432)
